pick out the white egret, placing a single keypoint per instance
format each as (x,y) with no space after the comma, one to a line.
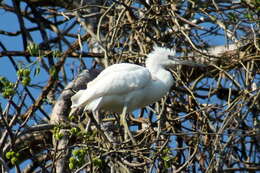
(124,87)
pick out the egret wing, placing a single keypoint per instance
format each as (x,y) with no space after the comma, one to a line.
(120,79)
(117,79)
(113,69)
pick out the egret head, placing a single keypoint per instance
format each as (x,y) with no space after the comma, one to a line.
(161,56)
(166,58)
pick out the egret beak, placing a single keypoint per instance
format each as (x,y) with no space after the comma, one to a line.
(178,61)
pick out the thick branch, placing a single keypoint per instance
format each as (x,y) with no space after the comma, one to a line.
(44,53)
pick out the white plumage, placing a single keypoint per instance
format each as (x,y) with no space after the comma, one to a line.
(125,87)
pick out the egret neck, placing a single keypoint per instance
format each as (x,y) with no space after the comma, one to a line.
(160,74)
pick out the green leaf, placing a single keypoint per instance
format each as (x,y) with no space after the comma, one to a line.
(53,72)
(37,71)
(166,158)
(26,81)
(97,162)
(14,160)
(19,72)
(33,49)
(9,154)
(72,160)
(56,53)
(74,130)
(71,165)
(75,152)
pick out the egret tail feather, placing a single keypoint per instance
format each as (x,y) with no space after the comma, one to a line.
(80,98)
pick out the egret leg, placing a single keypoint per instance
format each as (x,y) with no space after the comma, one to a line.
(88,125)
(96,116)
(124,123)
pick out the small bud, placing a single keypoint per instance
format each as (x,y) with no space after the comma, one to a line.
(71,165)
(26,72)
(14,160)
(8,155)
(26,81)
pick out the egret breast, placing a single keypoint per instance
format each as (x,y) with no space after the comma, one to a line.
(133,100)
(113,103)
